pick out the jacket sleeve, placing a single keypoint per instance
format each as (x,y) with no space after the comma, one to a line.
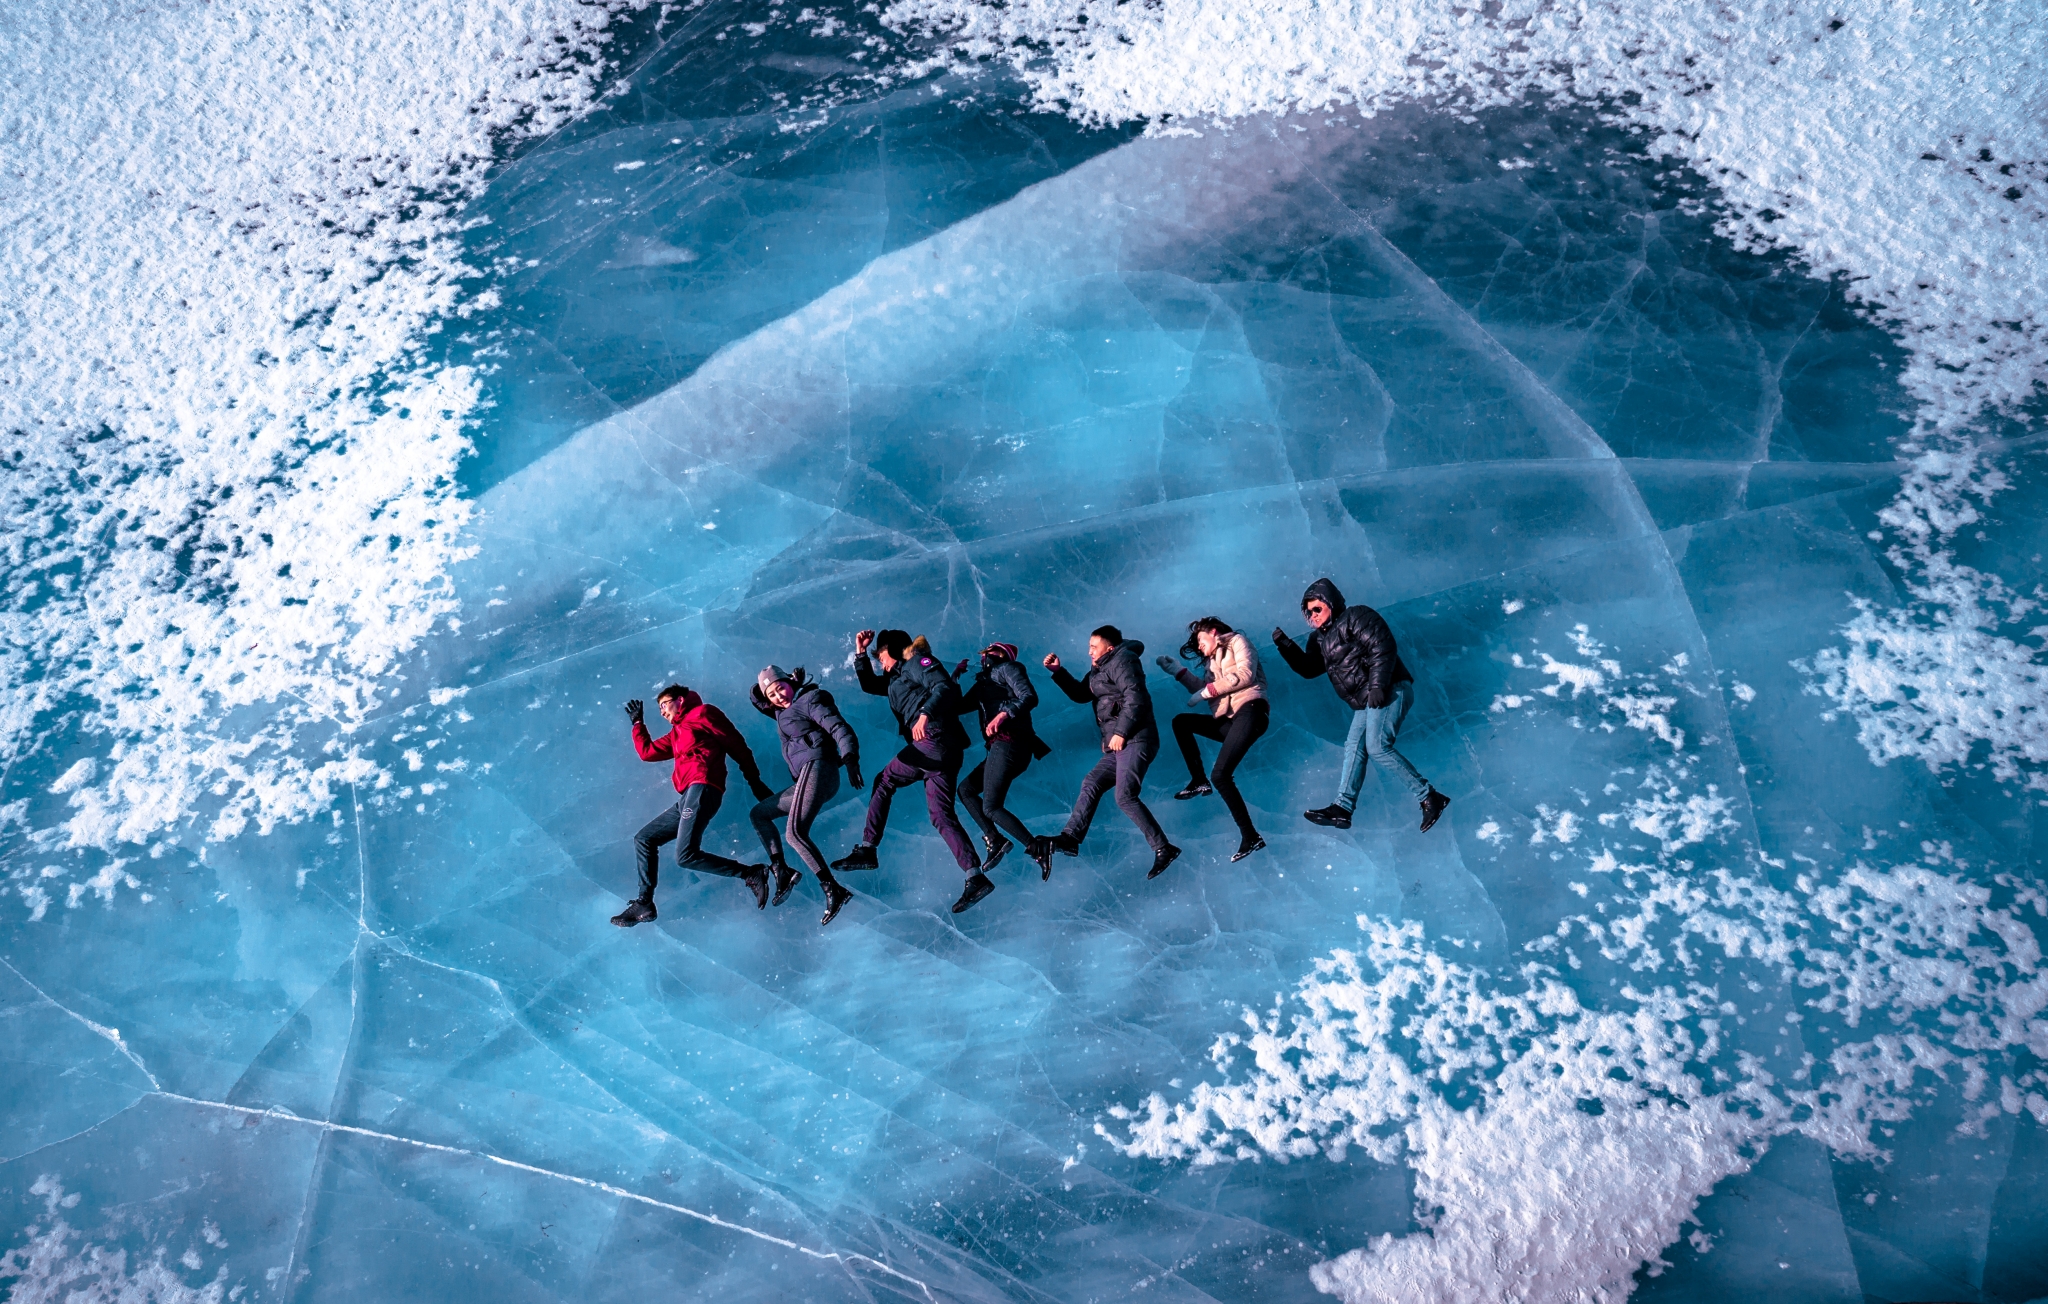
(970,697)
(735,744)
(1378,640)
(1191,681)
(1239,670)
(825,714)
(1128,675)
(651,749)
(870,682)
(1018,694)
(1064,680)
(1306,662)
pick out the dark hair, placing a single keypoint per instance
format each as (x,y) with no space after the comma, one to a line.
(1192,649)
(896,642)
(1108,633)
(673,690)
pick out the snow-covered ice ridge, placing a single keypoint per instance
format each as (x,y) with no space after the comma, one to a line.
(228,498)
(1903,148)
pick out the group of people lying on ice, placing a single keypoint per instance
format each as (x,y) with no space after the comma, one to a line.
(1351,644)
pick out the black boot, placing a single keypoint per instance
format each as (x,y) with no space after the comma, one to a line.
(1433,803)
(756,879)
(1331,816)
(835,897)
(1195,788)
(1246,845)
(978,886)
(861,857)
(1040,850)
(785,879)
(638,911)
(1165,856)
(997,846)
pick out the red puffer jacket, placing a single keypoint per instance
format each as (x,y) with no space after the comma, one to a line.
(698,744)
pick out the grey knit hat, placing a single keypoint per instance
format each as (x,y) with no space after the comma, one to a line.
(769,676)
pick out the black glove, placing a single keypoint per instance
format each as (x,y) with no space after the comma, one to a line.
(1280,638)
(1165,663)
(853,774)
(1379,701)
(636,711)
(960,669)
(762,791)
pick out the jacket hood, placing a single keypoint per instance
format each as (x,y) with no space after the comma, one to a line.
(1130,646)
(995,652)
(1328,592)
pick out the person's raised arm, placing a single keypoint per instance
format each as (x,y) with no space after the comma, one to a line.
(871,683)
(1065,682)
(1188,679)
(650,748)
(1306,662)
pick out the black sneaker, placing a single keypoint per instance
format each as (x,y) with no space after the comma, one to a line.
(997,847)
(756,879)
(835,897)
(978,886)
(861,857)
(786,880)
(1195,788)
(1040,850)
(1331,816)
(1433,803)
(1165,856)
(636,912)
(1246,846)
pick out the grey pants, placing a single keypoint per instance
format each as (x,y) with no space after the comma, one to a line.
(800,801)
(1124,771)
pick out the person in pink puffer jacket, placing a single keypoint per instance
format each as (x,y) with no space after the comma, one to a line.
(1233,689)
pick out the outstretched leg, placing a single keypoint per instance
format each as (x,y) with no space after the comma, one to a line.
(1383,726)
(970,797)
(1097,782)
(807,798)
(1244,729)
(938,799)
(1131,764)
(1007,760)
(763,815)
(647,844)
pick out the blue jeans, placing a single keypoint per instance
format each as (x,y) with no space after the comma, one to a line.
(1372,737)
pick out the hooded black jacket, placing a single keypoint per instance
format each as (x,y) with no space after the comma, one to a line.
(1354,646)
(918,687)
(810,727)
(1116,684)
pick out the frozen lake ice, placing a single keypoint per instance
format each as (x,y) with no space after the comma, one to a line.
(1716,981)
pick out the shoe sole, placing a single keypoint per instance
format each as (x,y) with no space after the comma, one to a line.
(1185,795)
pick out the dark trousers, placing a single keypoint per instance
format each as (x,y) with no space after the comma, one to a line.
(983,792)
(935,767)
(1124,771)
(800,801)
(684,821)
(1237,733)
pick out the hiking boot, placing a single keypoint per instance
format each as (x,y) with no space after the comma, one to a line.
(1040,850)
(861,857)
(1331,816)
(786,880)
(978,886)
(1433,803)
(1246,846)
(835,897)
(640,911)
(1165,856)
(756,879)
(997,847)
(1195,788)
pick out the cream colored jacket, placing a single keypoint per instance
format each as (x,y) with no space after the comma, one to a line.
(1234,677)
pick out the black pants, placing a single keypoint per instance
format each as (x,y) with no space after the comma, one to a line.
(1237,733)
(800,801)
(686,821)
(1125,772)
(983,791)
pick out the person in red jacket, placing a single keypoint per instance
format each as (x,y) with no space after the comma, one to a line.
(697,742)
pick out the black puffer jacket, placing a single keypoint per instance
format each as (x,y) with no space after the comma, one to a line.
(1354,646)
(1116,684)
(918,687)
(1005,689)
(810,727)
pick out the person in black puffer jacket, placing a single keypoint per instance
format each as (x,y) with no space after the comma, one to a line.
(1001,699)
(1130,739)
(1354,646)
(926,702)
(816,742)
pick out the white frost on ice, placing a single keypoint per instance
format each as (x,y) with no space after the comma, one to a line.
(229,498)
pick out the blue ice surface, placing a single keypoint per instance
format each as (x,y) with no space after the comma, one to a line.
(951,365)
